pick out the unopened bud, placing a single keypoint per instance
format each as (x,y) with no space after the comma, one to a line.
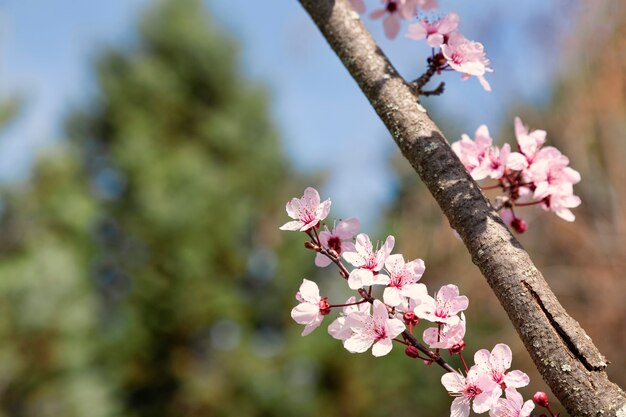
(428,362)
(311,245)
(519,225)
(541,399)
(458,347)
(411,351)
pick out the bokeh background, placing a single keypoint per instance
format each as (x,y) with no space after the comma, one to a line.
(147,151)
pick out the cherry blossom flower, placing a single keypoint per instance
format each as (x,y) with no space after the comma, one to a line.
(495,365)
(528,144)
(447,337)
(444,307)
(307,211)
(367,261)
(358,6)
(561,203)
(467,57)
(512,406)
(338,240)
(402,281)
(395,11)
(436,32)
(477,388)
(339,329)
(312,307)
(377,330)
(480,158)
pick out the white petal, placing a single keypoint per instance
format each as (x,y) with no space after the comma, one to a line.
(309,291)
(460,407)
(359,278)
(358,343)
(293,225)
(516,379)
(391,296)
(305,313)
(382,347)
(453,382)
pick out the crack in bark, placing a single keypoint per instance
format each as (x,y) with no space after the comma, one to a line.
(572,346)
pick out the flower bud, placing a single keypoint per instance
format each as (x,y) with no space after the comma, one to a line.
(541,399)
(311,245)
(519,225)
(411,351)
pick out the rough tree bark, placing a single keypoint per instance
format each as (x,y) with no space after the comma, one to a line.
(566,357)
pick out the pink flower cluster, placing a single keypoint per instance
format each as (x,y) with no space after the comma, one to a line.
(394,11)
(365,321)
(456,52)
(535,174)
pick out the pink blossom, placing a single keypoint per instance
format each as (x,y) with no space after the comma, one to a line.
(480,158)
(307,211)
(436,32)
(444,307)
(402,281)
(476,388)
(367,261)
(495,365)
(339,329)
(447,337)
(561,203)
(467,57)
(512,406)
(358,6)
(528,143)
(377,330)
(312,307)
(338,240)
(395,10)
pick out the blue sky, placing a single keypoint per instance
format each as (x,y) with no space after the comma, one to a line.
(46,48)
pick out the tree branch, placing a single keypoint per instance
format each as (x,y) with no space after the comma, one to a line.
(565,356)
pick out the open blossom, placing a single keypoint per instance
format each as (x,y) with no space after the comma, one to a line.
(528,143)
(467,57)
(495,364)
(340,329)
(444,307)
(339,240)
(512,406)
(394,11)
(547,170)
(436,32)
(449,336)
(480,158)
(561,203)
(367,261)
(312,307)
(376,330)
(402,281)
(307,211)
(477,389)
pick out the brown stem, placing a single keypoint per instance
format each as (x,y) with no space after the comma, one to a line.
(566,357)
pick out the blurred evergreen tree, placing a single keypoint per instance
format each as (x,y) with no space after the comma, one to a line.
(187,168)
